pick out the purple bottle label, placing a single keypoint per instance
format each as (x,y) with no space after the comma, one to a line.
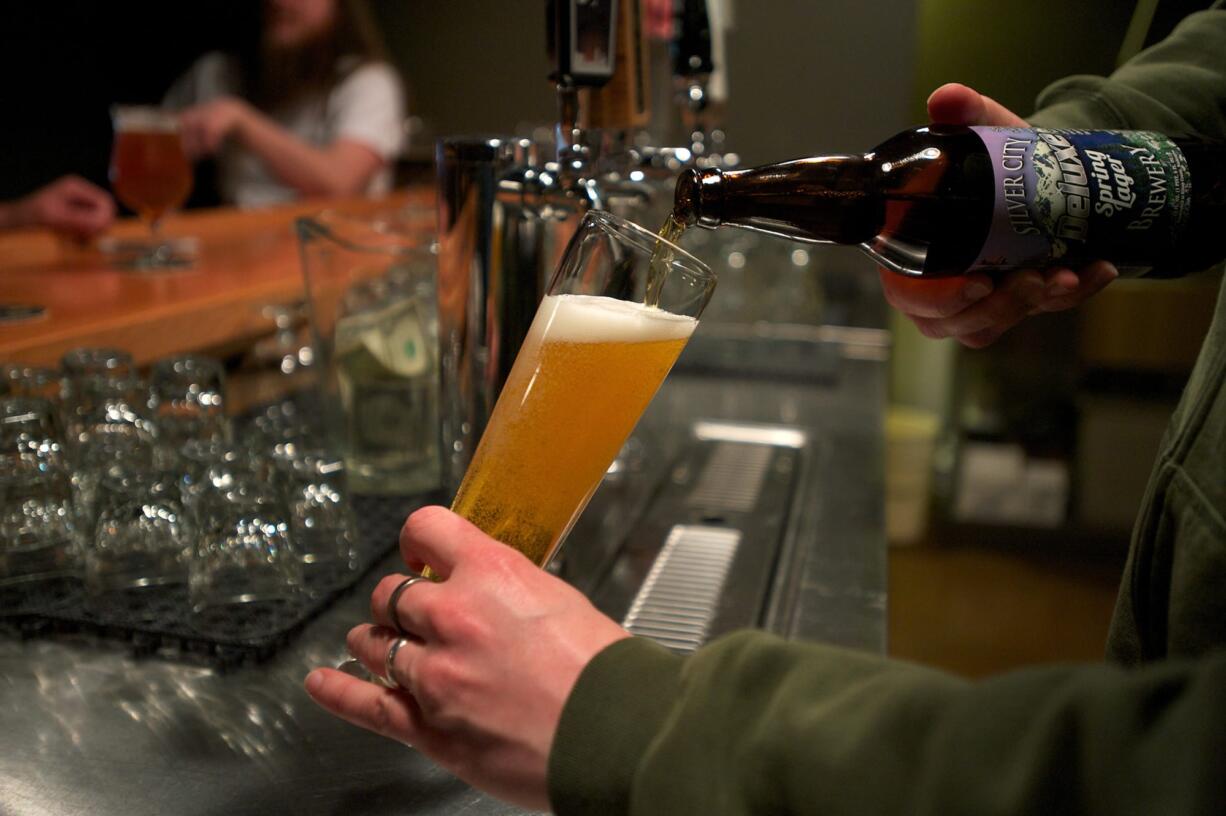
(1066,197)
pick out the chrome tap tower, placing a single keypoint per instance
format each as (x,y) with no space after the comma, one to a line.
(504,217)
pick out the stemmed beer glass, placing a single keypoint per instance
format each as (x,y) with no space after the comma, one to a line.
(151,175)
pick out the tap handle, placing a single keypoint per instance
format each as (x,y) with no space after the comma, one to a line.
(691,47)
(623,103)
(582,41)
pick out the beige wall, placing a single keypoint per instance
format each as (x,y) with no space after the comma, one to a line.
(805,75)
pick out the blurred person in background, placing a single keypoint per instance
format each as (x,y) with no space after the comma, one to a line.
(313,110)
(70,205)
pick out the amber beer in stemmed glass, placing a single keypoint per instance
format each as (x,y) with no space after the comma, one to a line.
(150,173)
(594,356)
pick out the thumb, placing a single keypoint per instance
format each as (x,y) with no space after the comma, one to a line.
(955,104)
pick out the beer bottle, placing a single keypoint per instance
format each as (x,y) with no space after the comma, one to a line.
(943,200)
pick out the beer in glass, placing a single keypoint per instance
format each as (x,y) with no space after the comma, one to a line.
(594,356)
(149,171)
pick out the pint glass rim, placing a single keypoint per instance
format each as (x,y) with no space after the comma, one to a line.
(143,118)
(646,240)
(385,231)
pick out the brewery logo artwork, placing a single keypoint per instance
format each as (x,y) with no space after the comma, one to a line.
(1062,194)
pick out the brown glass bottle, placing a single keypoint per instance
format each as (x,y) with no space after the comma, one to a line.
(940,200)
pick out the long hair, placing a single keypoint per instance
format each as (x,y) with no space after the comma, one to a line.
(276,78)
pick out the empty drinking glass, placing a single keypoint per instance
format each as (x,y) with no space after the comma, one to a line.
(29,430)
(208,467)
(321,519)
(40,546)
(245,579)
(32,381)
(136,560)
(188,393)
(86,370)
(96,456)
(113,406)
(82,363)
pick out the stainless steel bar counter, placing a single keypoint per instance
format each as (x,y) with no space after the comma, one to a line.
(86,729)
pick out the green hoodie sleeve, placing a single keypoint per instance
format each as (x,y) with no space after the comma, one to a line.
(1178,86)
(753,724)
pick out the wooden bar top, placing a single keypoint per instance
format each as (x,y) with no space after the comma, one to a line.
(247,260)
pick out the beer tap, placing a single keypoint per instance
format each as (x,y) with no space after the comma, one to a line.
(692,67)
(504,213)
(585,40)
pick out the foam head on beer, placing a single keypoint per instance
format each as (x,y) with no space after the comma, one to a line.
(593,319)
(582,379)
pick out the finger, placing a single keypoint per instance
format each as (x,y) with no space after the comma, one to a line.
(981,339)
(95,208)
(934,297)
(79,189)
(412,607)
(81,224)
(1088,282)
(1059,282)
(1015,297)
(189,135)
(382,710)
(370,644)
(955,104)
(437,538)
(211,139)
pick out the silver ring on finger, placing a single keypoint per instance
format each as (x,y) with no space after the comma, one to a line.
(394,599)
(389,663)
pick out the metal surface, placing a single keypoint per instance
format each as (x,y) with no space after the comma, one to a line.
(89,730)
(680,597)
(84,729)
(721,481)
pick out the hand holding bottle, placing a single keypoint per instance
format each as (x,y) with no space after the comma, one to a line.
(973,308)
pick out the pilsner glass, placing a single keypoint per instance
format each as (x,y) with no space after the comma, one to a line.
(595,355)
(150,174)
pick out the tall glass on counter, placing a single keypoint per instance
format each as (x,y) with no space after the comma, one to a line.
(370,281)
(617,314)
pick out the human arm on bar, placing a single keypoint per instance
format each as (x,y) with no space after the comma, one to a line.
(69,205)
(368,113)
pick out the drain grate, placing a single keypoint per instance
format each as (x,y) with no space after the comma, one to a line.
(732,478)
(679,599)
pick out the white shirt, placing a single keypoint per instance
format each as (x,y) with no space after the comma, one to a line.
(367,106)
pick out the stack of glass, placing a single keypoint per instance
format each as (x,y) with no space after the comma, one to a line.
(130,498)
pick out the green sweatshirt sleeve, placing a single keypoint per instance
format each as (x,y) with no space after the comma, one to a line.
(753,724)
(1178,86)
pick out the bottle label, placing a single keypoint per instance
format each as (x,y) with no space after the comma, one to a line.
(1066,197)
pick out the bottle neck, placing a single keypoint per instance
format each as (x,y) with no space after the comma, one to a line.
(829,199)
